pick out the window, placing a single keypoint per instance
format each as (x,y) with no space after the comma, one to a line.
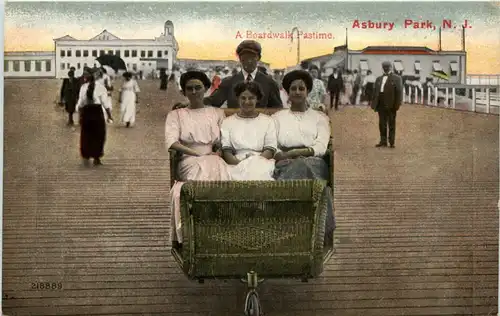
(38,66)
(436,66)
(398,65)
(63,66)
(134,53)
(149,64)
(150,53)
(84,65)
(454,68)
(78,53)
(418,67)
(78,66)
(102,53)
(128,65)
(94,53)
(85,53)
(169,31)
(134,67)
(110,52)
(166,53)
(127,53)
(68,65)
(158,53)
(63,53)
(143,53)
(48,65)
(16,65)
(363,65)
(117,52)
(27,65)
(69,53)
(5,65)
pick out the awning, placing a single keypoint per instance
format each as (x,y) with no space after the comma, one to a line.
(454,66)
(334,62)
(418,67)
(398,66)
(363,65)
(436,66)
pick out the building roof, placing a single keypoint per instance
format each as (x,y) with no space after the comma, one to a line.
(318,57)
(65,38)
(104,36)
(398,50)
(30,53)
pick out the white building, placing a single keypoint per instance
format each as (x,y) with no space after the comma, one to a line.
(408,60)
(29,65)
(146,55)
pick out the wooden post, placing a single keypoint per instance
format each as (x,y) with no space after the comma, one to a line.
(409,93)
(435,96)
(488,100)
(473,99)
(447,96)
(429,95)
(454,102)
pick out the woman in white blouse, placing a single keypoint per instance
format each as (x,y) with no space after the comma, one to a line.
(248,137)
(303,135)
(93,106)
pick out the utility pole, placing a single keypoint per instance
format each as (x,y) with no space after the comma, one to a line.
(298,42)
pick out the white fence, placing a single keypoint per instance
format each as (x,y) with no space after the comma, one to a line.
(475,98)
(488,80)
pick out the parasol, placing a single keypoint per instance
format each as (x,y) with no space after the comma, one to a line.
(440,75)
(113,61)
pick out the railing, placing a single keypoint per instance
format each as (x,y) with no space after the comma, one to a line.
(488,80)
(475,98)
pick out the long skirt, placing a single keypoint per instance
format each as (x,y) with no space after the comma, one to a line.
(309,168)
(204,168)
(70,106)
(253,168)
(93,131)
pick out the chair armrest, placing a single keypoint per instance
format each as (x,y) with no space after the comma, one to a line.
(174,163)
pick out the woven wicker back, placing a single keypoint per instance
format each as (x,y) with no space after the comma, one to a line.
(275,228)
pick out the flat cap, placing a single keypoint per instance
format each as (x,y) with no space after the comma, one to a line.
(387,63)
(249,46)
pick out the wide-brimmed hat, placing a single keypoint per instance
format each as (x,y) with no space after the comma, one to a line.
(297,75)
(194,74)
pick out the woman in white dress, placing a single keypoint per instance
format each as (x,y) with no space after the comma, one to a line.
(303,135)
(128,99)
(318,92)
(348,87)
(193,131)
(248,137)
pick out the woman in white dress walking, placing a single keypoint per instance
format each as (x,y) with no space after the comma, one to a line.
(128,99)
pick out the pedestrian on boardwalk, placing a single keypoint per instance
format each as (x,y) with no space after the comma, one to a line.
(92,105)
(69,95)
(128,99)
(387,99)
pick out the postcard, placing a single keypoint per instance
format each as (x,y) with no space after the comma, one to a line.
(241,158)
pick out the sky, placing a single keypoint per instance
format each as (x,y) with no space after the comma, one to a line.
(211,30)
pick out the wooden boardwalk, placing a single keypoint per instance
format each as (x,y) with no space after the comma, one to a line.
(417,225)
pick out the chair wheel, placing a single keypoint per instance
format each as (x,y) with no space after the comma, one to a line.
(252,305)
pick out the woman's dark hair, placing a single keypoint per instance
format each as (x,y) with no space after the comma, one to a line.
(251,86)
(297,75)
(90,89)
(194,74)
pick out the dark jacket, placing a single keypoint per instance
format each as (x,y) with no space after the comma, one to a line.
(271,94)
(70,91)
(335,84)
(393,93)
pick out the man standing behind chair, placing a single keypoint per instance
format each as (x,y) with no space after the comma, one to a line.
(335,85)
(249,53)
(387,99)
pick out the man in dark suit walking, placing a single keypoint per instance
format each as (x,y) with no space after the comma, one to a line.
(249,52)
(335,86)
(387,99)
(70,91)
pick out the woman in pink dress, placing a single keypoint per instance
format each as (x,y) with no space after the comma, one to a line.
(193,131)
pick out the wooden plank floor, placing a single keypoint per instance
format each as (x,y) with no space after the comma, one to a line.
(417,226)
